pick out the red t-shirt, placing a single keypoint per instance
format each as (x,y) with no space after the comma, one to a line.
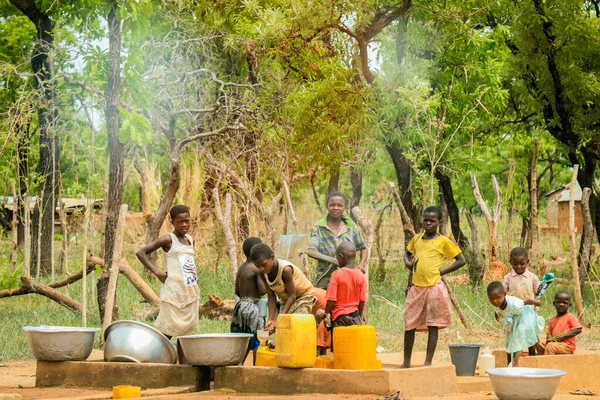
(564,324)
(347,288)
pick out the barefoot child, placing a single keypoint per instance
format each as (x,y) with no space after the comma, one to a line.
(521,323)
(179,295)
(428,303)
(249,287)
(563,328)
(347,291)
(284,279)
(520,282)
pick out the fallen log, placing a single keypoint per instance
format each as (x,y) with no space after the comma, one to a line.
(52,294)
(136,280)
(56,284)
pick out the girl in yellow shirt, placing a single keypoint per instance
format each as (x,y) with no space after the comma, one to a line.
(428,303)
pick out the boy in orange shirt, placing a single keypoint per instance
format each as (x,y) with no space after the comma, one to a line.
(428,304)
(562,330)
(347,290)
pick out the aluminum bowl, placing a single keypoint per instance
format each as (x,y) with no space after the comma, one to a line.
(215,349)
(60,343)
(132,341)
(525,383)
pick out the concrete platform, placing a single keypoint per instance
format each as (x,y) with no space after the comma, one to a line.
(105,375)
(582,370)
(282,381)
(470,384)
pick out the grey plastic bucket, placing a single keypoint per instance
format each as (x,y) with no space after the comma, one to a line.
(464,358)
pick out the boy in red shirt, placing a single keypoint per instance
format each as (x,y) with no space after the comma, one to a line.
(347,290)
(562,328)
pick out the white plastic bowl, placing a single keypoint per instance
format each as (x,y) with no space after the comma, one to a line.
(525,383)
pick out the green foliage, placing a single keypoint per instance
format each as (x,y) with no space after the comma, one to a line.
(10,279)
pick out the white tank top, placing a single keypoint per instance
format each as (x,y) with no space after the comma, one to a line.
(181,286)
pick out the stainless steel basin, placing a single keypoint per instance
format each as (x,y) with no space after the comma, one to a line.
(525,383)
(132,341)
(215,349)
(60,343)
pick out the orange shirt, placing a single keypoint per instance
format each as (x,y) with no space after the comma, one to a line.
(347,288)
(564,324)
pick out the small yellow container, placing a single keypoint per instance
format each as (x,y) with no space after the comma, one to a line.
(265,357)
(355,347)
(324,362)
(296,341)
(126,392)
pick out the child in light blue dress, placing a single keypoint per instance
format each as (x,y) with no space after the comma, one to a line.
(521,323)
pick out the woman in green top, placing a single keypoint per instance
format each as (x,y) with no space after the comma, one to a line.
(329,232)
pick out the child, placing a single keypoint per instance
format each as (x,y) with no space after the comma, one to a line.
(249,287)
(562,328)
(179,295)
(284,279)
(347,291)
(428,303)
(329,232)
(521,323)
(520,282)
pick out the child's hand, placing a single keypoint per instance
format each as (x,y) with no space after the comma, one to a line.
(162,276)
(497,316)
(270,326)
(328,321)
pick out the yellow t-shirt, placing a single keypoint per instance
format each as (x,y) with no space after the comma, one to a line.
(430,255)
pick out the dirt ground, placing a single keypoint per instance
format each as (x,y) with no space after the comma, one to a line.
(18,376)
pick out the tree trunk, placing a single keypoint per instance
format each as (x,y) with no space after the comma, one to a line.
(23,169)
(475,264)
(490,217)
(115,180)
(574,266)
(334,180)
(533,199)
(49,162)
(453,211)
(315,194)
(356,182)
(586,238)
(404,176)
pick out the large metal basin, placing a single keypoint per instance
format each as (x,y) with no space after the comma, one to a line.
(215,349)
(60,343)
(132,341)
(525,383)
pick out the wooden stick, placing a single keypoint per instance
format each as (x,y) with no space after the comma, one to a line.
(64,264)
(456,304)
(114,269)
(290,207)
(367,227)
(86,223)
(225,221)
(534,229)
(587,236)
(575,267)
(15,230)
(406,221)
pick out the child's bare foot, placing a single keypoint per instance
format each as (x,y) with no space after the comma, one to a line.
(405,365)
(427,364)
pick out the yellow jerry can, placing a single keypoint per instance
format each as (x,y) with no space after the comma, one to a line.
(126,392)
(324,362)
(355,347)
(265,357)
(296,340)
